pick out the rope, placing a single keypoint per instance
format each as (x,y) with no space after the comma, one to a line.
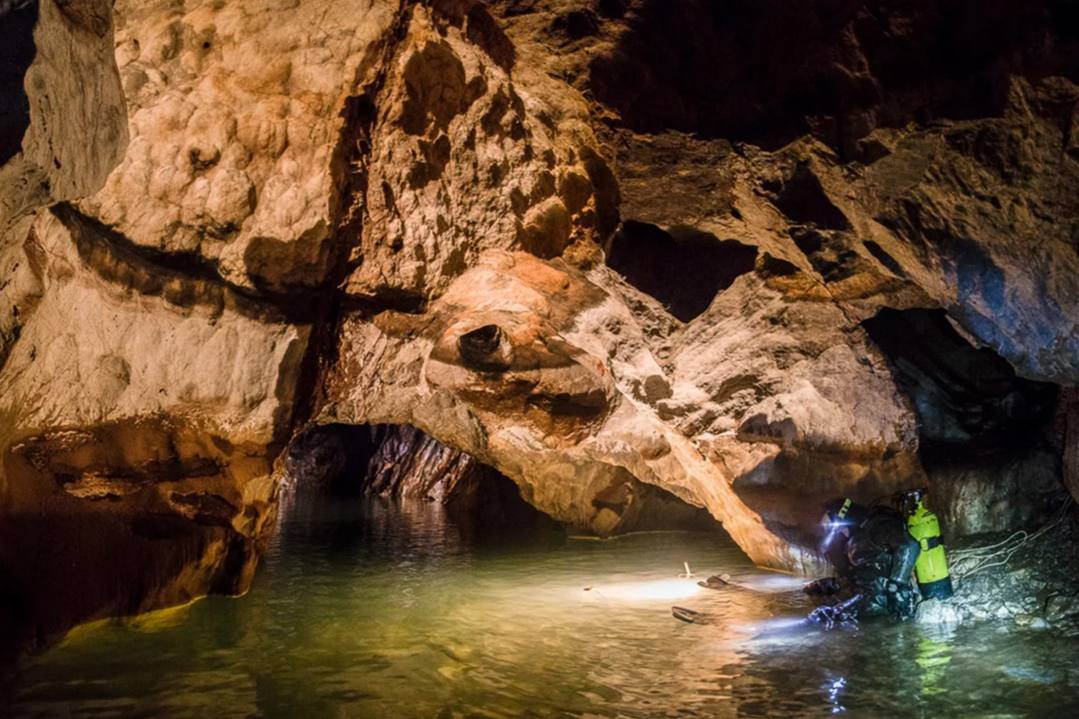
(967,562)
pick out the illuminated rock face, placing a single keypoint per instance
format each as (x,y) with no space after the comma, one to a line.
(583,243)
(141,413)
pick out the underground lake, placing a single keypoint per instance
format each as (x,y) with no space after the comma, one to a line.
(376,608)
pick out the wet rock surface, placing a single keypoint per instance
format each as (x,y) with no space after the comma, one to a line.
(738,258)
(1033,586)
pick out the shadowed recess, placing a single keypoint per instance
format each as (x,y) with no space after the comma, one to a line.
(768,71)
(400,462)
(682,267)
(962,395)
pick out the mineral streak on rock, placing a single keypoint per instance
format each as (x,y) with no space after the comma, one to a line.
(748,255)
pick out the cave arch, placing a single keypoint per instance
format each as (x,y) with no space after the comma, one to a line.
(401,462)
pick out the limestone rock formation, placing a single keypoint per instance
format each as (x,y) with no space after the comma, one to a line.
(62,126)
(237,158)
(461,158)
(141,411)
(747,255)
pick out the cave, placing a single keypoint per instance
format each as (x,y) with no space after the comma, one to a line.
(964,395)
(985,434)
(498,358)
(400,463)
(682,267)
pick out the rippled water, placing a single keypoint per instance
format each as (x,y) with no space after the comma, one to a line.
(376,610)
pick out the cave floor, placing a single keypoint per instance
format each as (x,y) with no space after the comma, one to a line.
(367,608)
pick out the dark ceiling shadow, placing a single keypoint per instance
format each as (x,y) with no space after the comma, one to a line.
(768,71)
(682,267)
(17,51)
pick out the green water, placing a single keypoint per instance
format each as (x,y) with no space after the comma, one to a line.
(372,610)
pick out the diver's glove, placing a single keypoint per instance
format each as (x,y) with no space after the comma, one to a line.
(843,615)
(822,587)
(901,601)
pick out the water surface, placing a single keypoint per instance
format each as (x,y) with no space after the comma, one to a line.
(370,609)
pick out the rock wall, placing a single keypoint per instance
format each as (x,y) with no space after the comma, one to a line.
(750,255)
(63,126)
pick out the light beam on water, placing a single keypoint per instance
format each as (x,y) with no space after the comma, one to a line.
(376,610)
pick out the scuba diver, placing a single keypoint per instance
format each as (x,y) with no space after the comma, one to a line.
(873,554)
(875,550)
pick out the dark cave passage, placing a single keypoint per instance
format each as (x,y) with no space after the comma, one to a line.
(681,267)
(18,18)
(399,462)
(963,396)
(985,435)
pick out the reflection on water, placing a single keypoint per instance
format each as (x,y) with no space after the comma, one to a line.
(372,610)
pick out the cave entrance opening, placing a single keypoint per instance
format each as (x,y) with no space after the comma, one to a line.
(401,464)
(986,438)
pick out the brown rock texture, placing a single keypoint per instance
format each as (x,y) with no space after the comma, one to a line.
(236,157)
(749,255)
(58,72)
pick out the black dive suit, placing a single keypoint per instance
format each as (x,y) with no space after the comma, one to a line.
(873,555)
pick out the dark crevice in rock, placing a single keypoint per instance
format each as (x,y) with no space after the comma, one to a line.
(350,178)
(884,258)
(17,51)
(486,349)
(802,199)
(827,251)
(182,279)
(965,398)
(388,299)
(682,267)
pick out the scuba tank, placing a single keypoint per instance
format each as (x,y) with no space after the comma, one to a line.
(931,569)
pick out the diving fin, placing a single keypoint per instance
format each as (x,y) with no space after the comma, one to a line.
(717,581)
(692,617)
